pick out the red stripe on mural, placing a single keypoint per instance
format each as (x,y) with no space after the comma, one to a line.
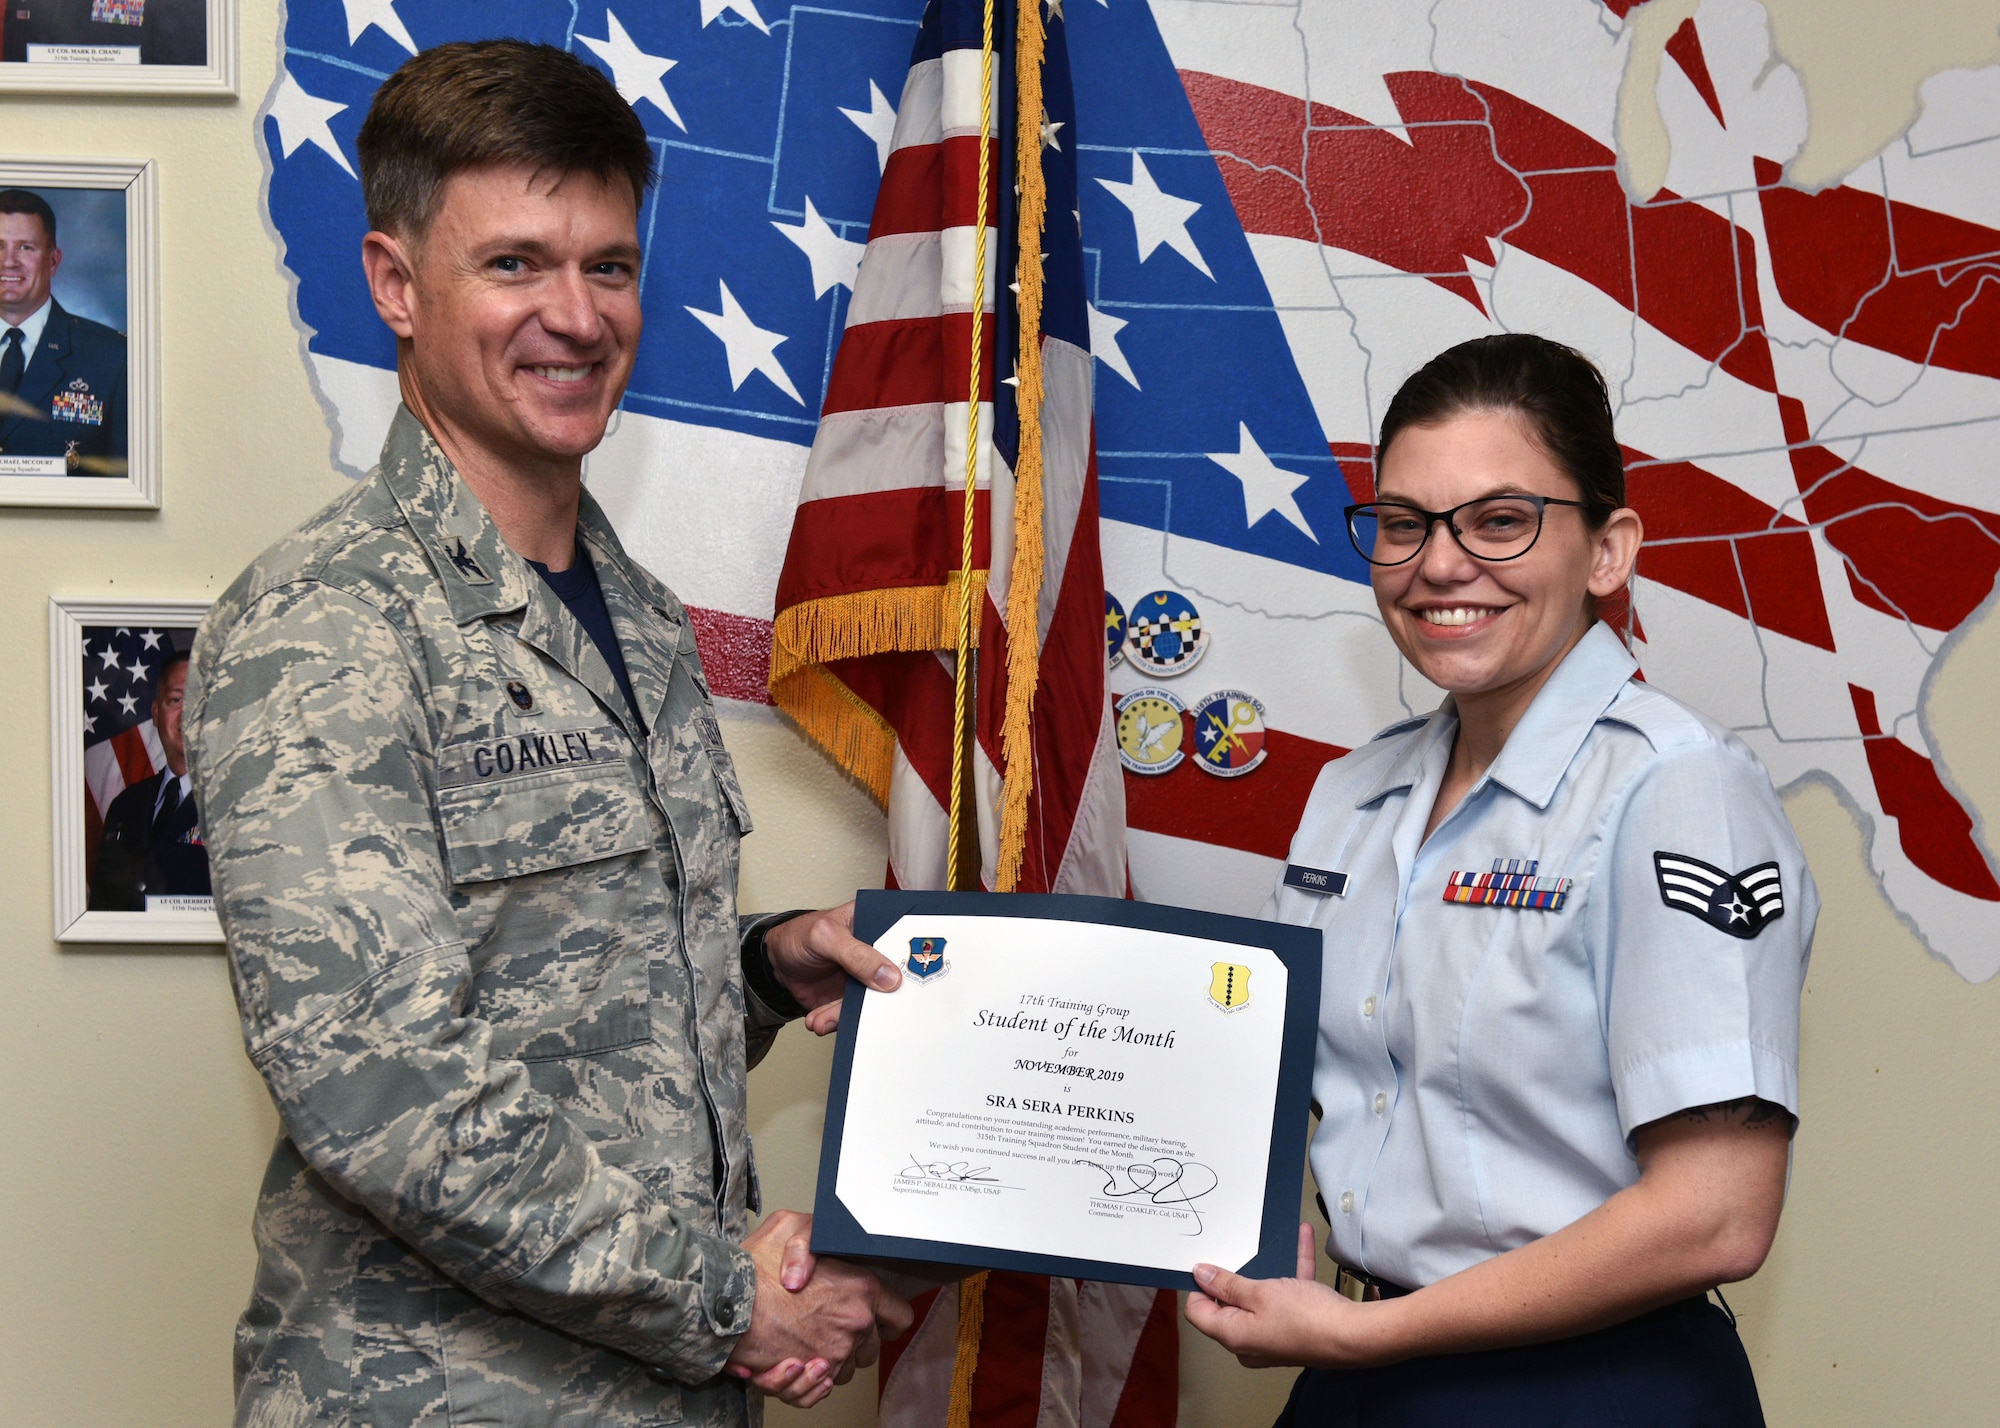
(1933,827)
(1911,281)
(1896,542)
(877,540)
(908,361)
(735,653)
(1255,813)
(1685,50)
(1480,164)
(1714,541)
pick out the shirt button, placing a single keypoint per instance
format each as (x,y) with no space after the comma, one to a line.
(1347,1202)
(1368,1007)
(1381,1103)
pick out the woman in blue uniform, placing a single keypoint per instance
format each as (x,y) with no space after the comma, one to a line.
(1557,1068)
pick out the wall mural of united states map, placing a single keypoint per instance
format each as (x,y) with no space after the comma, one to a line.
(1286,209)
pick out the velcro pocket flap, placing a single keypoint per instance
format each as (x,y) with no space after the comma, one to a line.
(534,802)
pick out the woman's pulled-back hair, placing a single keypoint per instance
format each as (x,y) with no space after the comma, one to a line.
(488,103)
(1556,389)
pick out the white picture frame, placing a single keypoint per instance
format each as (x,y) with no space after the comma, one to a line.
(139,485)
(73,637)
(93,75)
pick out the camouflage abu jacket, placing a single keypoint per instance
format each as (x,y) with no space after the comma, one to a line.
(483,936)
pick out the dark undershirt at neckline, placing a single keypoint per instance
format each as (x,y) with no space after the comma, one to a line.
(579,589)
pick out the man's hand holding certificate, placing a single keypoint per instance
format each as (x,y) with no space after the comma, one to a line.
(1076,1086)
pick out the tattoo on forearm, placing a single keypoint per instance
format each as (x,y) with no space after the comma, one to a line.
(1749,1112)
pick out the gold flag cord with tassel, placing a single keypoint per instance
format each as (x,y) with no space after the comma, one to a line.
(1024,585)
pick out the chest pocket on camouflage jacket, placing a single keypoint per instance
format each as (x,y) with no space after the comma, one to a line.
(537,828)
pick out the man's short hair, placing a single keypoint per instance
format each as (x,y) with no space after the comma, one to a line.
(173,658)
(487,103)
(19,200)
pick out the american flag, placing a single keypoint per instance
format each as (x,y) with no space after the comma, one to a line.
(865,626)
(120,664)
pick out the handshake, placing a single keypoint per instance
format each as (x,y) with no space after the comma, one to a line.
(815,1321)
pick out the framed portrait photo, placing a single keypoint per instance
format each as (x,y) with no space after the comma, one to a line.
(79,333)
(153,47)
(130,862)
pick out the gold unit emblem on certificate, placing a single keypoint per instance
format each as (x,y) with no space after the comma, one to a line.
(1229,985)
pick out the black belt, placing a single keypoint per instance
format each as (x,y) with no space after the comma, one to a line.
(1363,1287)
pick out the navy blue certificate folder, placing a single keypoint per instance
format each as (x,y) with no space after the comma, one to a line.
(836,1231)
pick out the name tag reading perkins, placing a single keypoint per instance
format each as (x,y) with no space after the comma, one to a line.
(1323,881)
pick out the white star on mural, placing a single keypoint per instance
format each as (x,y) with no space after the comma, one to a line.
(877,121)
(749,347)
(302,120)
(712,9)
(1266,488)
(151,639)
(129,703)
(90,724)
(1157,216)
(1104,330)
(834,259)
(110,657)
(98,690)
(636,73)
(382,15)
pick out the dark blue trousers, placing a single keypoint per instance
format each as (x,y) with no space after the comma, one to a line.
(1677,1367)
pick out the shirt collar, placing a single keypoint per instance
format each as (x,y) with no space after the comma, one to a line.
(31,328)
(1538,753)
(480,572)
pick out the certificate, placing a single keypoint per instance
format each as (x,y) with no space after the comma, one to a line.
(1072,1086)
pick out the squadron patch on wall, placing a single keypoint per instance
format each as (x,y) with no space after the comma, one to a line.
(1149,731)
(1741,904)
(1114,629)
(1164,635)
(1229,733)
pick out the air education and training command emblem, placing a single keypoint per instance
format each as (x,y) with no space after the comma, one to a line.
(1164,635)
(1229,733)
(1229,985)
(1114,630)
(927,960)
(1149,730)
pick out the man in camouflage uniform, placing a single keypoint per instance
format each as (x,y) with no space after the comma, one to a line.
(475,852)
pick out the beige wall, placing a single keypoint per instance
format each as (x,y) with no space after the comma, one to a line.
(132,1131)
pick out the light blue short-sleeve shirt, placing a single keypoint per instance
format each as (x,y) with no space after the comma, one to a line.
(1483,1062)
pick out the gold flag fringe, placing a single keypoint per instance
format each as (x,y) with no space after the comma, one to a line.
(807,635)
(1024,586)
(971,1324)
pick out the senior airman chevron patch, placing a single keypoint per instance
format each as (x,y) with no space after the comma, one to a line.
(1739,904)
(1512,883)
